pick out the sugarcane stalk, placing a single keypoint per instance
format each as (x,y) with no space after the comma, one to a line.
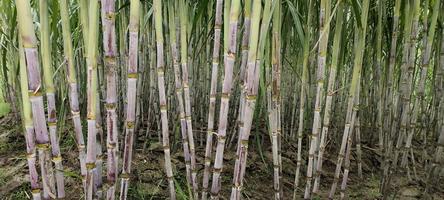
(243,63)
(186,93)
(437,159)
(29,43)
(330,93)
(91,62)
(255,55)
(131,96)
(110,54)
(303,94)
(324,30)
(388,98)
(50,96)
(358,146)
(213,92)
(157,6)
(354,121)
(229,59)
(274,116)
(28,128)
(359,53)
(72,85)
(427,43)
(179,92)
(407,69)
(379,71)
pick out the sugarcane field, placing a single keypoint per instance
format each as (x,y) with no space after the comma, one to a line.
(222,99)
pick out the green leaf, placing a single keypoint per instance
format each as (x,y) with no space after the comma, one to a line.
(297,21)
(356,7)
(4,109)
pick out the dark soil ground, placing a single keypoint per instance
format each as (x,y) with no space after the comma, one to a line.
(148,180)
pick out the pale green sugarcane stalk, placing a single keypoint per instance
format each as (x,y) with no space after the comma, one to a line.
(50,96)
(98,182)
(379,71)
(84,13)
(157,6)
(358,146)
(186,92)
(28,127)
(427,42)
(274,116)
(405,84)
(91,62)
(255,54)
(354,121)
(388,99)
(400,95)
(179,90)
(229,60)
(226,23)
(302,101)
(437,160)
(29,42)
(131,95)
(72,85)
(110,61)
(244,59)
(359,53)
(213,92)
(330,92)
(324,30)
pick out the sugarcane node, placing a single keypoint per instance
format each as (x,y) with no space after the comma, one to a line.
(130,124)
(160,71)
(225,95)
(75,113)
(30,155)
(57,159)
(81,147)
(111,145)
(166,147)
(221,139)
(125,176)
(99,157)
(110,106)
(35,93)
(237,186)
(52,123)
(132,75)
(35,191)
(110,16)
(44,146)
(231,55)
(250,97)
(163,108)
(217,170)
(90,166)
